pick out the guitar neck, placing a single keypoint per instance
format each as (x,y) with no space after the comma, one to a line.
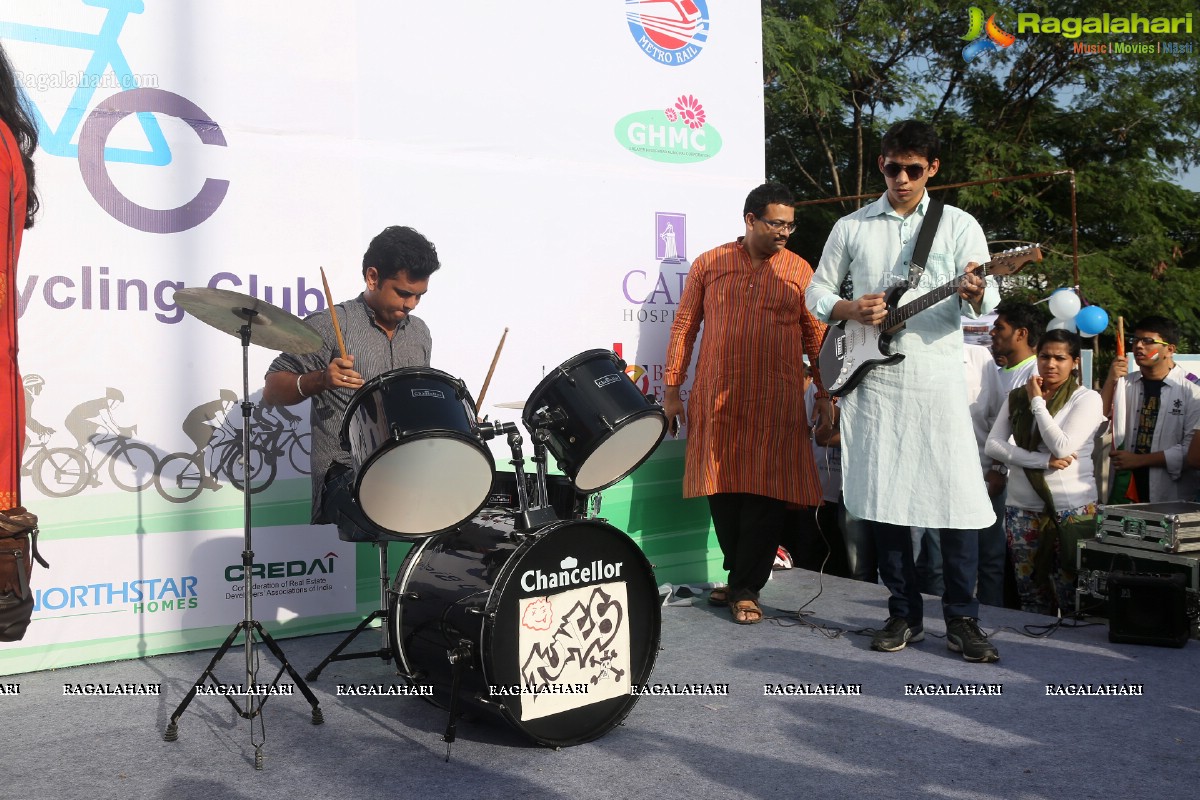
(900,315)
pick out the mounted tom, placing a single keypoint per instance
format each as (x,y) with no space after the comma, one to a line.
(852,349)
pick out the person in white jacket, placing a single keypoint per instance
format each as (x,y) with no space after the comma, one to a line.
(1044,432)
(1155,412)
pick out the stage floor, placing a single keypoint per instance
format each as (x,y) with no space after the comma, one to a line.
(897,724)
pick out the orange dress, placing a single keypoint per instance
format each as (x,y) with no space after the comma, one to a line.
(747,429)
(12,396)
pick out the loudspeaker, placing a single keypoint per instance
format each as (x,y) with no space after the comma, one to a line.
(1147,609)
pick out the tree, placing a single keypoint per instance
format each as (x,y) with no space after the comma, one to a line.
(836,75)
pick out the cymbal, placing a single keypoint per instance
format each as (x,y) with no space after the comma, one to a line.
(518,404)
(270,326)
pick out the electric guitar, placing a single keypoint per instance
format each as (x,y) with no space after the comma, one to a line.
(852,349)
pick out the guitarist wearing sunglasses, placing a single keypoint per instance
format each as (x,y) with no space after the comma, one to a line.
(907,458)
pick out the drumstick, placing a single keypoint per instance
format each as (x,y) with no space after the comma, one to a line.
(491,369)
(333,314)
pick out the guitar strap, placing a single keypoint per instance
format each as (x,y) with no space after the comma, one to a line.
(916,268)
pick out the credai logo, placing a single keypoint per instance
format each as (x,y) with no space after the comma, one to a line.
(671,32)
(680,134)
(283,569)
(984,37)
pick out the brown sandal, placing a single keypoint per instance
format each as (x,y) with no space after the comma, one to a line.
(746,612)
(719,596)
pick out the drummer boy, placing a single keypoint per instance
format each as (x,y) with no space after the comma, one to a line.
(380,335)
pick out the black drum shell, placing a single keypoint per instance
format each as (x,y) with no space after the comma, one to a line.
(596,399)
(564,499)
(406,405)
(463,585)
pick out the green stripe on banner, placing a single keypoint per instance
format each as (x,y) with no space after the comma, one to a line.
(284,502)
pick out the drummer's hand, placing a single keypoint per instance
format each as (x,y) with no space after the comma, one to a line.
(340,374)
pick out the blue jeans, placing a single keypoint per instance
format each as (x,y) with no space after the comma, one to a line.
(897,568)
(927,545)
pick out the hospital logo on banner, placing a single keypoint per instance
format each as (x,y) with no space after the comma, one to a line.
(671,32)
(652,295)
(681,133)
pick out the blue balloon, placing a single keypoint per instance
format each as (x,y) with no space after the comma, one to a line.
(1091,320)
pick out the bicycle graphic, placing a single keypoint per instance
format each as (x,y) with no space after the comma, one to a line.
(94,129)
(66,471)
(182,476)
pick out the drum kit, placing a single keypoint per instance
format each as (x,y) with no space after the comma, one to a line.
(515,599)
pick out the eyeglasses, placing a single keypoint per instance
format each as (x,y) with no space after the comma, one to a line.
(893,170)
(778,225)
(1144,340)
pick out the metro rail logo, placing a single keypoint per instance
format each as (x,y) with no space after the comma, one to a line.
(672,32)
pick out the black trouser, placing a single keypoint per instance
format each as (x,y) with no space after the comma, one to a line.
(748,528)
(338,507)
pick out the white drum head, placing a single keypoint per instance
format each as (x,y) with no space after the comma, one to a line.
(619,453)
(425,485)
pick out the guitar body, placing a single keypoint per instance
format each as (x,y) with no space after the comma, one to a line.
(852,349)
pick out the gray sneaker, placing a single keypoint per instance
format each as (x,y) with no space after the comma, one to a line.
(895,635)
(963,635)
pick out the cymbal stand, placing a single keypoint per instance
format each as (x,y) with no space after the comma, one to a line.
(256,694)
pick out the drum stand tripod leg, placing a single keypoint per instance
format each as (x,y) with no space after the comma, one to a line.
(458,658)
(256,693)
(385,647)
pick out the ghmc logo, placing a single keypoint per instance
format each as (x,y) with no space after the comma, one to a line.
(983,36)
(672,32)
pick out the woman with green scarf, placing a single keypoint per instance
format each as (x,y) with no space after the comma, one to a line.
(1045,432)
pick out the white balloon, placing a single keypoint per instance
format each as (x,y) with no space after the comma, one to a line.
(1061,324)
(1064,304)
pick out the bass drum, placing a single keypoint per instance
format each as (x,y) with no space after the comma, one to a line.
(550,629)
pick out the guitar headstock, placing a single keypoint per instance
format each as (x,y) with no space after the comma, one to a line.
(1010,262)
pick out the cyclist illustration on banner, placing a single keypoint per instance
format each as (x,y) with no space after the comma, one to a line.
(104,447)
(94,128)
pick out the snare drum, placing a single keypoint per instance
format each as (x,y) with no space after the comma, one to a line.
(421,464)
(603,427)
(559,624)
(561,493)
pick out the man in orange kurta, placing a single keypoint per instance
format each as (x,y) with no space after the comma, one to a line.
(747,445)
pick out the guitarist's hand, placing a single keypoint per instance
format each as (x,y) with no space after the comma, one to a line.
(972,286)
(870,309)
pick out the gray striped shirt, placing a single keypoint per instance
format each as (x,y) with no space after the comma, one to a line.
(374,354)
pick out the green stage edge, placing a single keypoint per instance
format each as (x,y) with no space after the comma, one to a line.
(675,534)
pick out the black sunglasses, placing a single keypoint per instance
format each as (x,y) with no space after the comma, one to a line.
(893,170)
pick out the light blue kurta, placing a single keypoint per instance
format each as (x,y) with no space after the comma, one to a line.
(908,450)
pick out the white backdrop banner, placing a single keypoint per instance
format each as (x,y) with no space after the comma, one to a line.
(243,146)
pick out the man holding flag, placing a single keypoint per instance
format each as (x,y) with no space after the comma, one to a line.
(1155,412)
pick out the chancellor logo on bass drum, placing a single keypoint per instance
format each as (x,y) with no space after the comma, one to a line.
(570,574)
